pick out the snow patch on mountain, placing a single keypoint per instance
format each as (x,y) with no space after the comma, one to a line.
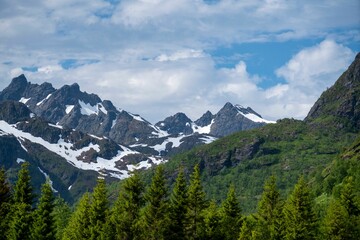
(176,141)
(208,139)
(251,116)
(72,155)
(19,160)
(50,181)
(256,118)
(137,117)
(202,130)
(88,109)
(56,126)
(69,108)
(24,100)
(42,101)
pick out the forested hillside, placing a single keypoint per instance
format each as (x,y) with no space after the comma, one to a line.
(155,211)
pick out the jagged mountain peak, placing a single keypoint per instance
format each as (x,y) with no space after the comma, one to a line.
(178,123)
(205,119)
(340,103)
(15,88)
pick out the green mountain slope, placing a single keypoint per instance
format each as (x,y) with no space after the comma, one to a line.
(287,149)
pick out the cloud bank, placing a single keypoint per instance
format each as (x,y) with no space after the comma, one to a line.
(154,57)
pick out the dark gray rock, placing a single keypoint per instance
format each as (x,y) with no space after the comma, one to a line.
(13,112)
(205,119)
(179,123)
(229,120)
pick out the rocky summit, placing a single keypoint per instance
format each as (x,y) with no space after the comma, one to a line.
(72,136)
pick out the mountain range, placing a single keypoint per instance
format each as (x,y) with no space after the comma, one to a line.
(71,136)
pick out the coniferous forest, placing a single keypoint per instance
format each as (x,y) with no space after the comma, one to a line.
(156,211)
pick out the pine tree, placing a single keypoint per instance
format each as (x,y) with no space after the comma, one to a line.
(99,209)
(270,211)
(336,222)
(5,203)
(155,212)
(349,201)
(247,229)
(178,208)
(23,189)
(21,221)
(21,209)
(230,215)
(61,214)
(300,220)
(212,220)
(126,212)
(196,206)
(78,227)
(348,198)
(44,225)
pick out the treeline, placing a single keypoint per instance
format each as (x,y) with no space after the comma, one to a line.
(184,212)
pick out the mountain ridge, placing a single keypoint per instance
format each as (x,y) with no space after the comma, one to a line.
(72,136)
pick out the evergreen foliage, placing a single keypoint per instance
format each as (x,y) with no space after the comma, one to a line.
(186,214)
(78,227)
(21,221)
(23,189)
(126,212)
(155,212)
(269,211)
(212,228)
(336,222)
(61,214)
(300,219)
(99,209)
(44,224)
(230,215)
(5,203)
(196,205)
(21,209)
(178,208)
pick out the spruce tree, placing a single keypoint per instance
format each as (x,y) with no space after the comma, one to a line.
(155,212)
(230,215)
(21,209)
(178,208)
(44,225)
(5,203)
(270,211)
(350,202)
(20,224)
(336,222)
(348,198)
(99,209)
(300,220)
(78,227)
(126,212)
(23,189)
(61,214)
(196,206)
(212,218)
(247,228)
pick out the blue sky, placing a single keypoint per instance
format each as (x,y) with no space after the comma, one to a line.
(159,57)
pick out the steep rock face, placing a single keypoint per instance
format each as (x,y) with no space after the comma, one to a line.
(340,103)
(231,119)
(205,119)
(70,107)
(13,112)
(15,90)
(179,123)
(72,159)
